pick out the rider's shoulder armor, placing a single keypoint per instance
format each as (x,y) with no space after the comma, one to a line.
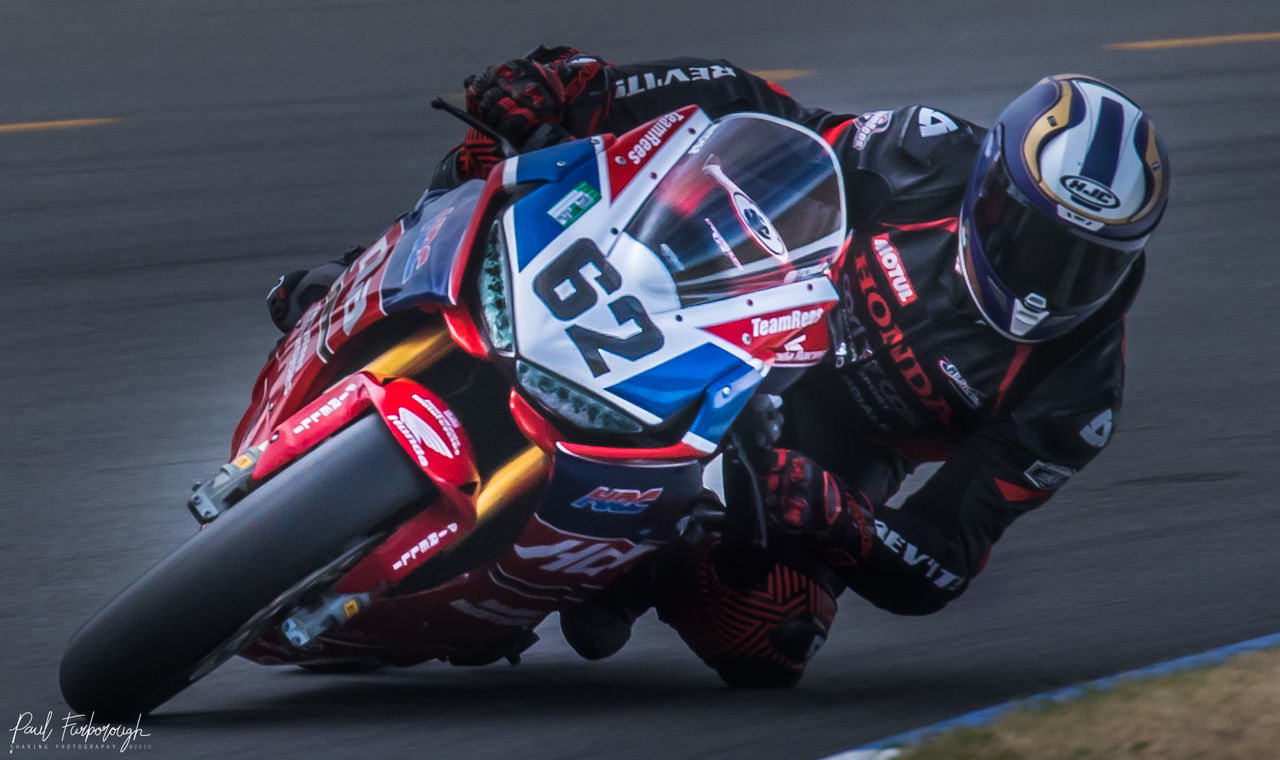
(907,165)
(1070,416)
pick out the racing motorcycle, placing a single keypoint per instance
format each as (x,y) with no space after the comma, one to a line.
(501,406)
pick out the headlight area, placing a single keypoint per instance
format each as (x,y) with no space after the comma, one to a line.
(559,397)
(495,301)
(574,405)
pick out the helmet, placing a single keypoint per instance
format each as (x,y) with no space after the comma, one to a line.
(1069,184)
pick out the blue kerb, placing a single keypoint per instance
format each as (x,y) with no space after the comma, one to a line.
(1069,693)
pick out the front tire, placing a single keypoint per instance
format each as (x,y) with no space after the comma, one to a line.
(169,627)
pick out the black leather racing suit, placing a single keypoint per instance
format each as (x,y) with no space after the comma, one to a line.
(916,375)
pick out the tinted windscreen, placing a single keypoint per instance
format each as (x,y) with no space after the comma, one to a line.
(751,201)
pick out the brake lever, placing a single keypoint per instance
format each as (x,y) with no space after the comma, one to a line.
(504,145)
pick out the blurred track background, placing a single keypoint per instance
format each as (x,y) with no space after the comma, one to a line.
(259,136)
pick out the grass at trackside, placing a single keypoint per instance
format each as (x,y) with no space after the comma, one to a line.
(1220,713)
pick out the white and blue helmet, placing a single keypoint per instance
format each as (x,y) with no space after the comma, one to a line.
(1070,182)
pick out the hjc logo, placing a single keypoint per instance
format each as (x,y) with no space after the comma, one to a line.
(1089,192)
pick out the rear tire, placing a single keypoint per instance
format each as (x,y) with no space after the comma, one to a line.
(167,629)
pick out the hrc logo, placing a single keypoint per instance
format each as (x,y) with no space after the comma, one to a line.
(626,501)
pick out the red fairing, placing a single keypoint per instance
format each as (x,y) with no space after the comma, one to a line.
(430,435)
(419,421)
(679,451)
(535,427)
(299,367)
(546,557)
(788,338)
(428,430)
(546,568)
(631,152)
(462,328)
(806,348)
(326,415)
(450,518)
(493,188)
(356,298)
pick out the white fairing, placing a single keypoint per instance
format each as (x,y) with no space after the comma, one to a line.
(649,273)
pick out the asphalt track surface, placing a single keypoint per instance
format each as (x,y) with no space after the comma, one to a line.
(258,136)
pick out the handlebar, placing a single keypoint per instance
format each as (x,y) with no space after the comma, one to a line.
(508,150)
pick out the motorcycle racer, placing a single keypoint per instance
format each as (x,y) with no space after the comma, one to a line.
(980,325)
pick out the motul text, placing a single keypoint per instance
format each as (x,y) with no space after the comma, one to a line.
(891,336)
(891,263)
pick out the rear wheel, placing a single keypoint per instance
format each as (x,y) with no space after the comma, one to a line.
(295,533)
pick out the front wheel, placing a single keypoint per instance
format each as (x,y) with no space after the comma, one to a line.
(218,591)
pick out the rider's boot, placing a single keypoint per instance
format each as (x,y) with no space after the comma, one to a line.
(297,290)
(600,626)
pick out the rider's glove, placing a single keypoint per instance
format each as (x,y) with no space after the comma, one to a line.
(551,87)
(517,97)
(801,498)
(477,154)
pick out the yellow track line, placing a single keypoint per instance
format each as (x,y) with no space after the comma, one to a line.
(1182,42)
(782,75)
(35,126)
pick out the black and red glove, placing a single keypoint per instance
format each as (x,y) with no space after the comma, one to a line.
(516,98)
(477,154)
(560,86)
(803,499)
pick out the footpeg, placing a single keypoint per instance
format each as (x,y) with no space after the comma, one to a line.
(232,482)
(332,611)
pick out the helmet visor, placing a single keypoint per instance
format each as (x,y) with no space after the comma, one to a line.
(1030,252)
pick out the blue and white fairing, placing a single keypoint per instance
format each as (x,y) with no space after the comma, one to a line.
(423,259)
(629,258)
